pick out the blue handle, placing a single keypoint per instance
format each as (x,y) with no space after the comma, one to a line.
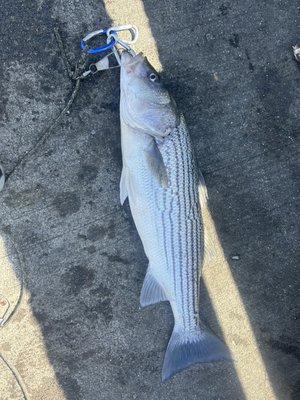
(99,49)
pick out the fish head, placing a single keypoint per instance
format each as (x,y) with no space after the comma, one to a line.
(145,102)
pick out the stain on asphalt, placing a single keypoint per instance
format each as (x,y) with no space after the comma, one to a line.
(67,203)
(97,232)
(250,64)
(224,8)
(234,41)
(87,173)
(115,258)
(78,278)
(90,249)
(101,303)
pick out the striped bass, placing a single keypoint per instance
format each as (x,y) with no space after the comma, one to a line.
(160,179)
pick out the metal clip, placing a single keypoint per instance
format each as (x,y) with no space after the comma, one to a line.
(111,43)
(130,28)
(99,49)
(101,65)
(112,35)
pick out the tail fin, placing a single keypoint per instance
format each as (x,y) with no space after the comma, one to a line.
(188,348)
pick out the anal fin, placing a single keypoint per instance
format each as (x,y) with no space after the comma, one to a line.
(151,292)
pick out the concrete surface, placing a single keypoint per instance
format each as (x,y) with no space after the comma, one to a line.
(71,262)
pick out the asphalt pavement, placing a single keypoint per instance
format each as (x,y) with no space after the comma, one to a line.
(71,262)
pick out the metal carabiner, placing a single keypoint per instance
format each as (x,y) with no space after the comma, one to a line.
(101,65)
(98,49)
(111,43)
(113,35)
(131,28)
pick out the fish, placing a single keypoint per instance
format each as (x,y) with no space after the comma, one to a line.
(160,178)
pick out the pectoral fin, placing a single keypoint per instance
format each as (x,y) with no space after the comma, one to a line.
(156,164)
(123,186)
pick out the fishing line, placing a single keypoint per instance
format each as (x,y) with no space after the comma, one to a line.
(77,74)
(15,375)
(74,75)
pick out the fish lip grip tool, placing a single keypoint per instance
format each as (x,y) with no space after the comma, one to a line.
(112,38)
(113,43)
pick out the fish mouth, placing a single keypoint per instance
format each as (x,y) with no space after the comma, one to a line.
(128,60)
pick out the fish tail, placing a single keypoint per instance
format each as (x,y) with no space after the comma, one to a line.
(186,348)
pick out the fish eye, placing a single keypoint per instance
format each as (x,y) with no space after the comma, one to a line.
(153,77)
